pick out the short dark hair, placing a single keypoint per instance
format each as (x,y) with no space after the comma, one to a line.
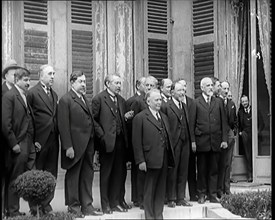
(214,79)
(20,73)
(75,74)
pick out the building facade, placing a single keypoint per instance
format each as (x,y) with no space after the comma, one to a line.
(189,39)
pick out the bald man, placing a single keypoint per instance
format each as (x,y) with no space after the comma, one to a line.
(43,100)
(208,136)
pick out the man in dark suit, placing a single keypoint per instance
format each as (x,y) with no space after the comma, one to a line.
(77,132)
(109,110)
(245,132)
(177,114)
(227,154)
(165,88)
(209,135)
(153,153)
(18,129)
(136,104)
(192,166)
(43,100)
(7,84)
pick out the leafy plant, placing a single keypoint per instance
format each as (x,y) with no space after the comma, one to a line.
(249,204)
(35,186)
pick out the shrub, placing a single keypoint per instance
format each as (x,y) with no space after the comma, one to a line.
(249,204)
(35,186)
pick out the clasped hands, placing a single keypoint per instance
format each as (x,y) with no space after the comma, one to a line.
(129,115)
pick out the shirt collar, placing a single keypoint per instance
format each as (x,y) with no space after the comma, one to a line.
(153,112)
(77,93)
(175,101)
(206,97)
(21,91)
(110,92)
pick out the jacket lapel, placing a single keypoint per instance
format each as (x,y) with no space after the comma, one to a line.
(44,97)
(152,119)
(203,102)
(79,101)
(212,103)
(20,99)
(109,103)
(174,108)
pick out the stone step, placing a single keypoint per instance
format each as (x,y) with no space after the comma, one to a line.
(197,211)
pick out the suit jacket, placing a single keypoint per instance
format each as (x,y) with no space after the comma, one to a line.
(176,122)
(4,88)
(45,114)
(76,127)
(147,140)
(105,118)
(231,116)
(208,124)
(15,117)
(190,105)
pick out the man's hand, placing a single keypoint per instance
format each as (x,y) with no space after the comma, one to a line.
(37,146)
(129,115)
(224,145)
(194,147)
(70,153)
(16,149)
(142,166)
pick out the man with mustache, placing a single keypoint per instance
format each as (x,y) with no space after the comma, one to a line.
(43,100)
(77,132)
(177,114)
(109,110)
(18,129)
(153,153)
(208,136)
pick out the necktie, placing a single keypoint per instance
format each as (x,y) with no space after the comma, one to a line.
(158,117)
(114,99)
(180,105)
(225,102)
(82,99)
(208,100)
(48,91)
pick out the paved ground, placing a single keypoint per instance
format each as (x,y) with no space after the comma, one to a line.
(58,202)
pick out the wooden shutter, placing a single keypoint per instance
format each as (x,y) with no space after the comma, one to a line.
(82,41)
(35,35)
(157,38)
(203,40)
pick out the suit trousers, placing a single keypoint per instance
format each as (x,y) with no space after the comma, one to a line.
(177,176)
(47,160)
(140,185)
(112,168)
(247,143)
(225,162)
(18,166)
(78,184)
(207,163)
(192,175)
(154,190)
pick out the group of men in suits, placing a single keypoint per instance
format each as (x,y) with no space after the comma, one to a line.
(169,138)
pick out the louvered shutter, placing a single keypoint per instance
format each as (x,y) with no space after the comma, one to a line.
(203,40)
(82,41)
(35,35)
(157,38)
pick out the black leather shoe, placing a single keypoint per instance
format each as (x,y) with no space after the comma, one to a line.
(76,212)
(183,202)
(15,214)
(141,206)
(136,204)
(171,204)
(107,210)
(124,205)
(233,181)
(250,180)
(118,208)
(194,198)
(219,195)
(214,200)
(202,199)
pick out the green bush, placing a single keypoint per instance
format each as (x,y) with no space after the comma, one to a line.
(249,204)
(56,216)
